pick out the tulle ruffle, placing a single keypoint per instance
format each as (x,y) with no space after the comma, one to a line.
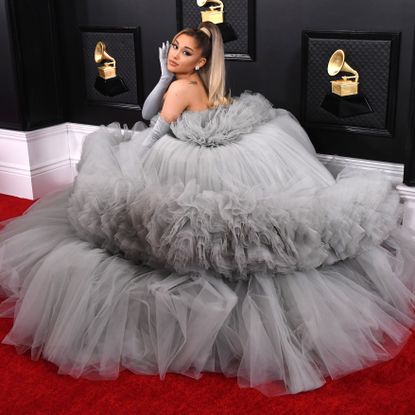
(234,233)
(224,124)
(233,225)
(93,314)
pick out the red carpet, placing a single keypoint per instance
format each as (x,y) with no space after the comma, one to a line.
(29,387)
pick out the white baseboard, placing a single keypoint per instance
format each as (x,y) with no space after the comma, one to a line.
(34,163)
(394,171)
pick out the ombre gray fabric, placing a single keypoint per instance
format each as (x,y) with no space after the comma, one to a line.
(236,224)
(224,124)
(225,247)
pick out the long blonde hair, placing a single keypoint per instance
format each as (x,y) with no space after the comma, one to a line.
(213,73)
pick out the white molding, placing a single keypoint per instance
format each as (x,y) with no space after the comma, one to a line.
(33,135)
(60,129)
(406,192)
(394,171)
(81,128)
(14,168)
(336,163)
(34,170)
(34,163)
(12,135)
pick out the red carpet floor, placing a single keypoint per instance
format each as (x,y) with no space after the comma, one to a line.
(34,387)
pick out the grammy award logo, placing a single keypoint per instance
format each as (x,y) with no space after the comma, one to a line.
(344,99)
(107,82)
(214,13)
(347,85)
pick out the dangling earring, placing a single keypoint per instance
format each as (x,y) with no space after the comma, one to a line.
(197,67)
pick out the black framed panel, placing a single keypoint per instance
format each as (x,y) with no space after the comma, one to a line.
(35,92)
(375,56)
(409,172)
(10,115)
(123,44)
(240,14)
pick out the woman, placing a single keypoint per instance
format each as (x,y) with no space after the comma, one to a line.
(199,84)
(213,241)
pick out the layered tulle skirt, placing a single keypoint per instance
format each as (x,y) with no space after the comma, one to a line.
(246,259)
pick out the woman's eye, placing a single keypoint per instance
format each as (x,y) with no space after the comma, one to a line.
(185,52)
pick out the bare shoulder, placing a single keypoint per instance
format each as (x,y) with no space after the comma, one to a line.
(178,90)
(176,100)
(181,86)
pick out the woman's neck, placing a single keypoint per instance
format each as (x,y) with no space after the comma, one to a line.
(190,76)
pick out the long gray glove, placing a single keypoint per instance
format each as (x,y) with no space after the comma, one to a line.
(152,104)
(160,128)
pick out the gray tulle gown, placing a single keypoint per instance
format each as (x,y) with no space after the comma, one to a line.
(226,247)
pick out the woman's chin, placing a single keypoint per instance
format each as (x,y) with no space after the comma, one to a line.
(172,68)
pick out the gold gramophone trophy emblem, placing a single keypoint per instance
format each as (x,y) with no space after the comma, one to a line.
(107,82)
(214,12)
(344,99)
(108,69)
(347,85)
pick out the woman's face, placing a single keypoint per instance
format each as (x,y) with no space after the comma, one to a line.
(184,55)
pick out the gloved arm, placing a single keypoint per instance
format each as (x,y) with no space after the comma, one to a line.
(152,104)
(160,128)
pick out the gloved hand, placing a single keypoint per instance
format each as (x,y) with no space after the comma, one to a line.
(160,128)
(152,104)
(163,53)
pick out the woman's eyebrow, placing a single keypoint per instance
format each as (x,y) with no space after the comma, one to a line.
(186,47)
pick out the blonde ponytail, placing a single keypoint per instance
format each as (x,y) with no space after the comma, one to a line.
(213,73)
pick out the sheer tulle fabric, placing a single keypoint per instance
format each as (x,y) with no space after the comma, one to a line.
(239,255)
